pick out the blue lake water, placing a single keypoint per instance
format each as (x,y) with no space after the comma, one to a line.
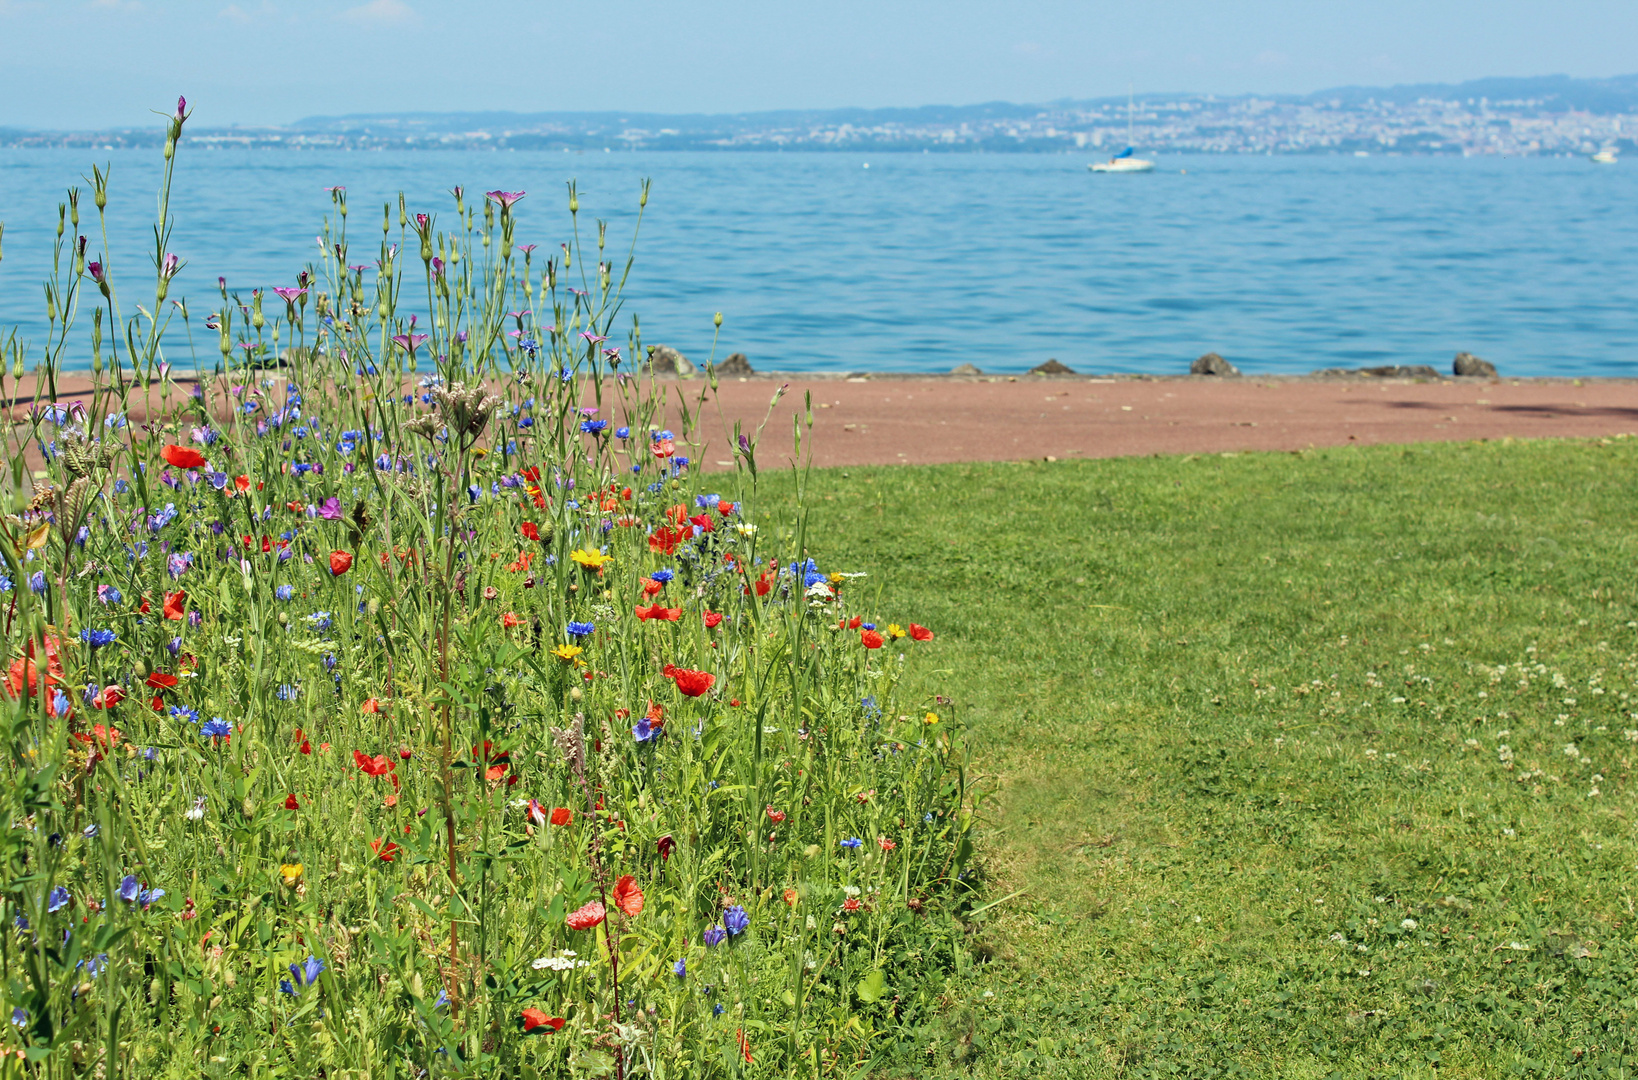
(922,262)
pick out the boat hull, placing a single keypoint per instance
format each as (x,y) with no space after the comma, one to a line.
(1123,165)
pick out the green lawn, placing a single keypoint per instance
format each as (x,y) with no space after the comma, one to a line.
(1240,720)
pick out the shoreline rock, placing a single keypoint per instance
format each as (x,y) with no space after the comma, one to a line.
(1469,366)
(1051,367)
(1384,371)
(736,364)
(664,360)
(1213,364)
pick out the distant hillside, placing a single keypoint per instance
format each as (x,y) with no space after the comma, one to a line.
(1550,93)
(1551,114)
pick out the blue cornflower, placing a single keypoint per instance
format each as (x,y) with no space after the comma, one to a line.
(714,935)
(97,638)
(718,1009)
(867,626)
(708,502)
(121,487)
(680,969)
(593,427)
(19,1016)
(287,692)
(852,842)
(89,831)
(184,712)
(129,887)
(735,920)
(526,422)
(215,728)
(149,896)
(58,898)
(319,620)
(581,629)
(284,592)
(622,433)
(663,576)
(37,583)
(868,704)
(250,407)
(94,966)
(665,434)
(643,730)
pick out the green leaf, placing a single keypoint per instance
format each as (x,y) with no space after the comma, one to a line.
(871,986)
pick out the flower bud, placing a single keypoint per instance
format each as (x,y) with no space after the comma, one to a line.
(170,148)
(256,319)
(717,321)
(74,206)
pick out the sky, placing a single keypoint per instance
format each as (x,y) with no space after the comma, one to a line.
(79,64)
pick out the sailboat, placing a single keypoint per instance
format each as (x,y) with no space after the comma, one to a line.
(1125,161)
(1605,156)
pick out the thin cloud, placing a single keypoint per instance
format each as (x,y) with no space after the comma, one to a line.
(381,13)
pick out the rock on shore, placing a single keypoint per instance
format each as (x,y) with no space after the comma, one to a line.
(1468,364)
(664,360)
(1212,364)
(1051,367)
(736,364)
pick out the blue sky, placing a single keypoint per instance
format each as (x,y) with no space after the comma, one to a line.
(85,63)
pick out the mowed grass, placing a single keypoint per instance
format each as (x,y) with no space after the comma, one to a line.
(1240,721)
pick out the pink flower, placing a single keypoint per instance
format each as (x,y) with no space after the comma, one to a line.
(288,295)
(505,198)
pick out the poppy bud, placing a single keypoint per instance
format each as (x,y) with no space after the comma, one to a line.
(404,751)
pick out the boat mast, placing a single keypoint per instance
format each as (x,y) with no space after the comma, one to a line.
(1129,91)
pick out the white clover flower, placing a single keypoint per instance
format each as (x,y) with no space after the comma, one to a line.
(1407,924)
(1571,750)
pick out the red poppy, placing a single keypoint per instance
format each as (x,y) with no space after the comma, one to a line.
(764,583)
(143,607)
(267,544)
(511,619)
(371,705)
(745,1046)
(290,802)
(584,918)
(384,848)
(379,765)
(870,639)
(712,618)
(855,623)
(651,587)
(176,604)
(628,897)
(658,611)
(182,457)
(920,633)
(108,697)
(693,683)
(704,521)
(530,531)
(340,562)
(664,845)
(242,483)
(534,1018)
(725,508)
(161,681)
(664,448)
(561,815)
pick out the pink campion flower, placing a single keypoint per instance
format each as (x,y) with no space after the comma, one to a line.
(457,192)
(330,509)
(592,338)
(421,222)
(169,265)
(289,295)
(518,314)
(94,268)
(437,268)
(181,108)
(526,248)
(336,188)
(505,198)
(408,341)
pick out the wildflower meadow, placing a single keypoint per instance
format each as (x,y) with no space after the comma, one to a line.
(388,696)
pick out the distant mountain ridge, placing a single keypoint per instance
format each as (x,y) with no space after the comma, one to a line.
(1539,115)
(1551,93)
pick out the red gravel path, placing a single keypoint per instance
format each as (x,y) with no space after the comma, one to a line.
(928,420)
(925,421)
